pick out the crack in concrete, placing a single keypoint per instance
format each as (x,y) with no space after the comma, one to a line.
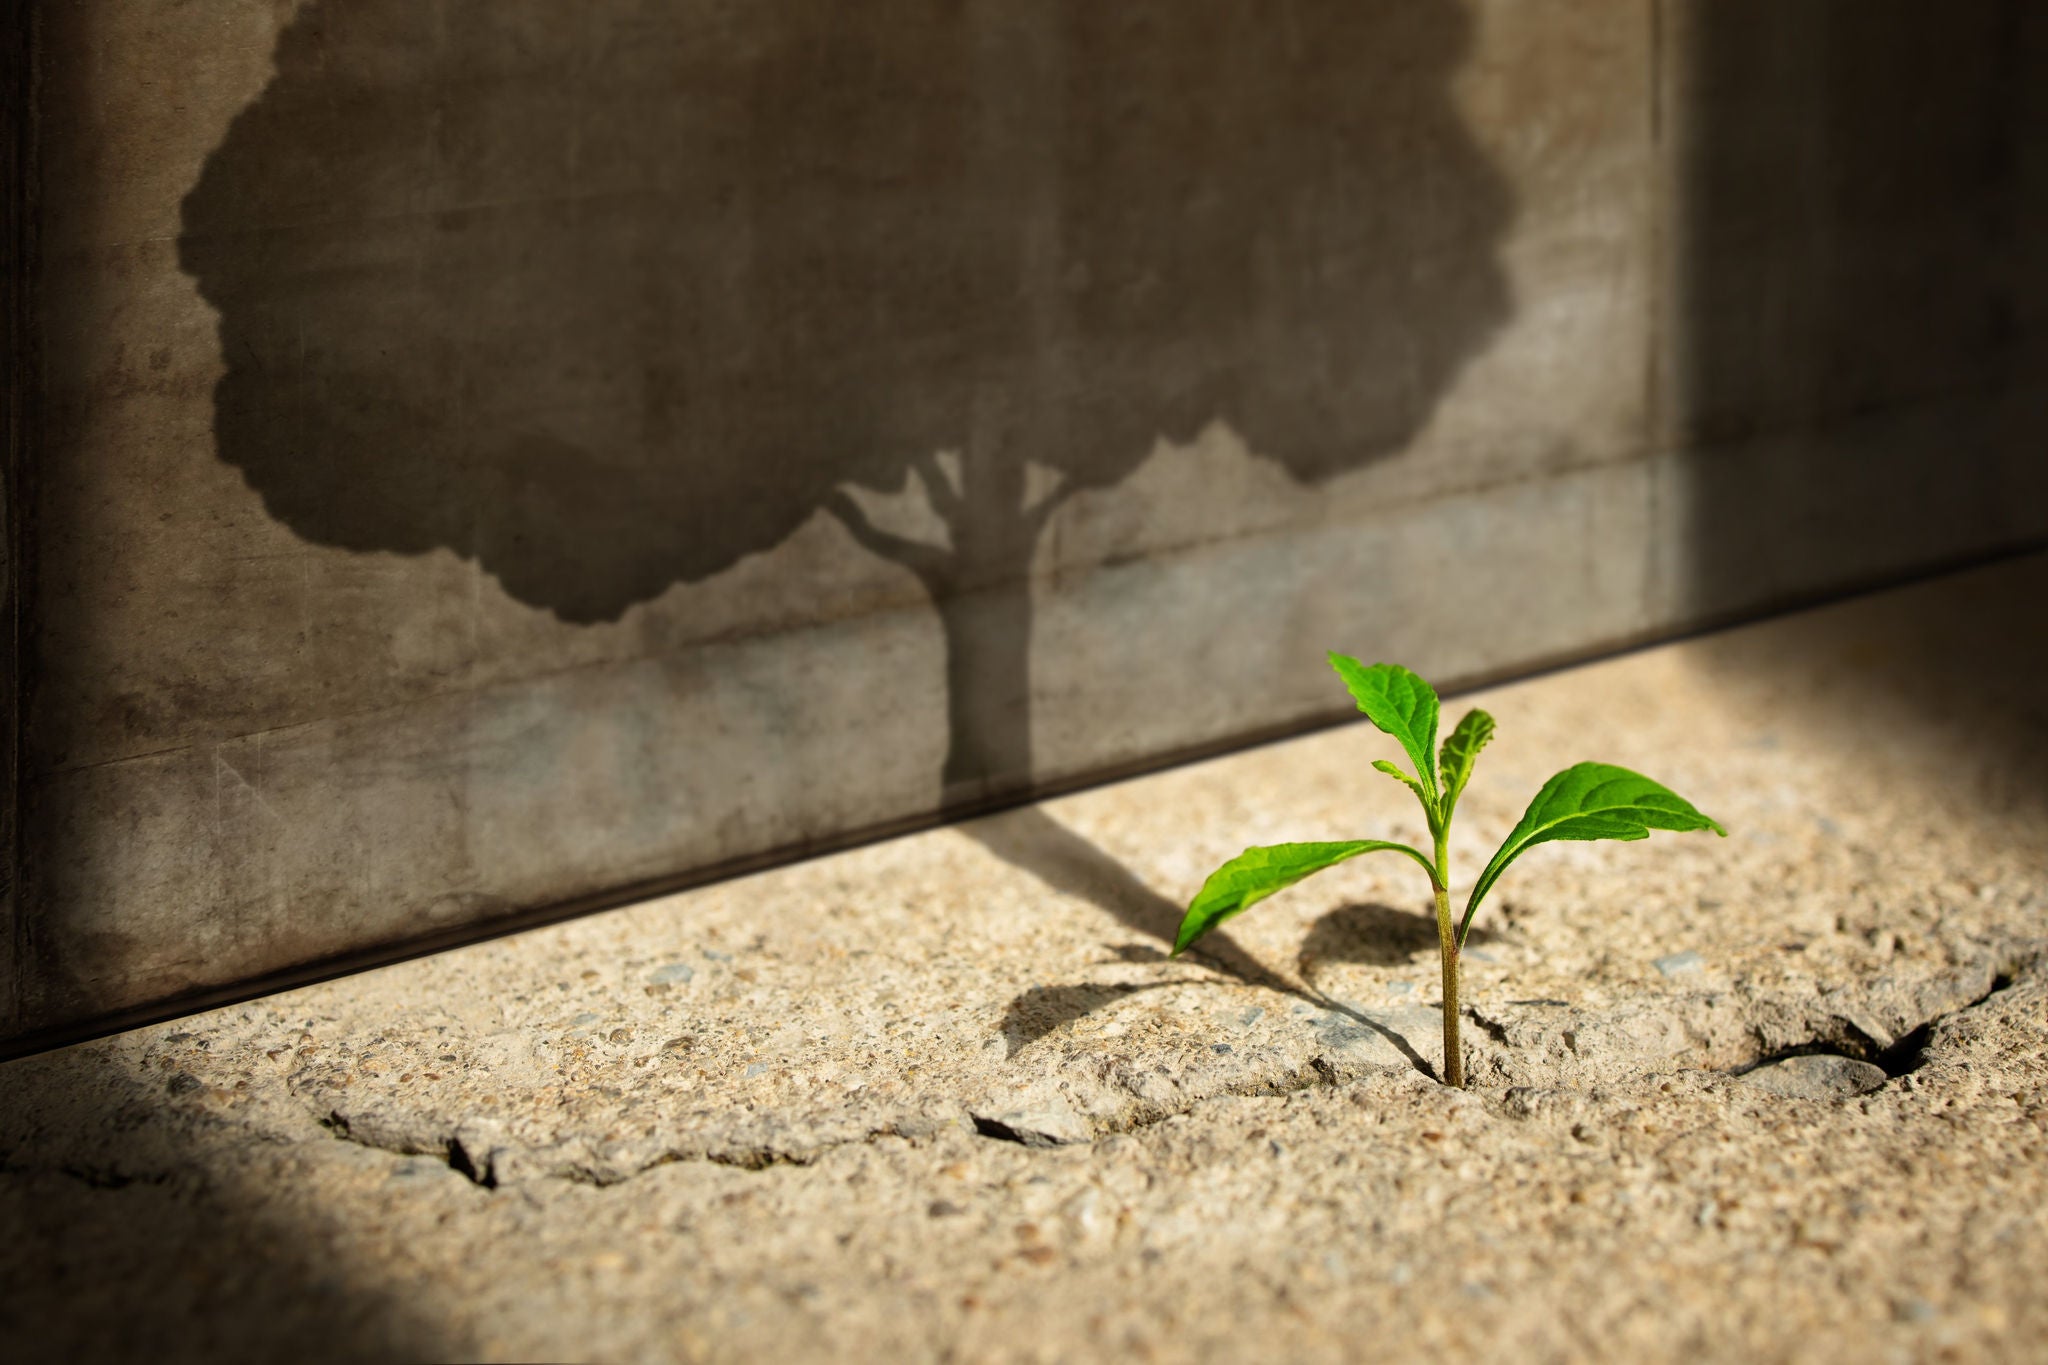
(93,1177)
(485,1166)
(489,1166)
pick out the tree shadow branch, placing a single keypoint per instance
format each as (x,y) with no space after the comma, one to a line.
(928,562)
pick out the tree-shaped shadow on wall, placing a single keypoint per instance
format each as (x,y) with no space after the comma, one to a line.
(610,295)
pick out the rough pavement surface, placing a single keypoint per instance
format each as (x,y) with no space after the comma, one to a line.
(1782,1096)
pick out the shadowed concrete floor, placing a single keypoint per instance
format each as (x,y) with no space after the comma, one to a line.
(1779,1096)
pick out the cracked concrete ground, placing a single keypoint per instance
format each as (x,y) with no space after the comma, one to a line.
(1782,1096)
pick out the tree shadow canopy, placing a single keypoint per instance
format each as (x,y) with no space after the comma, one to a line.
(609,296)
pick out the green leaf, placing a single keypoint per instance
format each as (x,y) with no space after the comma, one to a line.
(1461,751)
(1395,771)
(1257,873)
(1589,801)
(1402,704)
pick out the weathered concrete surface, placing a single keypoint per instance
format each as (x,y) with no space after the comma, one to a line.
(480,446)
(943,1099)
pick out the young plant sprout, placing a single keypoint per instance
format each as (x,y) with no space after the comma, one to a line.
(1585,801)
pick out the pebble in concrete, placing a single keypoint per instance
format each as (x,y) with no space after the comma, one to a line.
(1818,1076)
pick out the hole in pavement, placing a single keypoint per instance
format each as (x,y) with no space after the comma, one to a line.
(1906,1054)
(1003,1132)
(1902,1057)
(460,1162)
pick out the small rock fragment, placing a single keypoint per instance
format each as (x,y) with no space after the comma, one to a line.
(1678,964)
(1819,1076)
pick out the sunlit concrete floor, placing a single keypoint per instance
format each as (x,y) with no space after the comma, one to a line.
(945,1097)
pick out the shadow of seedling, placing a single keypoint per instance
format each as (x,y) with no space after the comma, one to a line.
(1032,841)
(1374,935)
(1046,1009)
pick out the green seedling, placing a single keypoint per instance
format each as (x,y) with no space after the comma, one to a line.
(1585,801)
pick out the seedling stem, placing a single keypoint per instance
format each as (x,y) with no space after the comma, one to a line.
(1447,945)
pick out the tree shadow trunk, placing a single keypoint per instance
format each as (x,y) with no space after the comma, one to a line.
(988,692)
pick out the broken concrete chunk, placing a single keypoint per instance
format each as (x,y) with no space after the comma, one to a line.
(1819,1076)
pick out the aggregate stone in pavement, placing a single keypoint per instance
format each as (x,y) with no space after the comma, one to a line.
(1779,1096)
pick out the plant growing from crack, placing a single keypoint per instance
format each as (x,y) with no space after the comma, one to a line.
(1585,801)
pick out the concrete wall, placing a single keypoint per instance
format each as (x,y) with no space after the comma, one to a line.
(491,456)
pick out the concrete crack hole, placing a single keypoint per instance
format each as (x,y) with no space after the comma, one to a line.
(1846,1061)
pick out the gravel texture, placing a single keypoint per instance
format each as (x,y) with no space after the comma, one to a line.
(1782,1096)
